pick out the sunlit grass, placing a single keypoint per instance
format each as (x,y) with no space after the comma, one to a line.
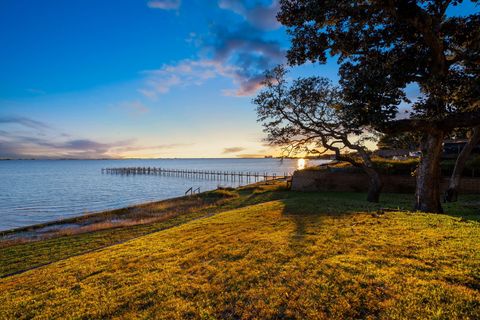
(272,254)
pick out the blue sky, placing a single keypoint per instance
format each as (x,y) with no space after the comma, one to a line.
(135,78)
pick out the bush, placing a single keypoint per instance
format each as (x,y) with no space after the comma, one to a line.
(390,166)
(223,193)
(472,167)
(404,167)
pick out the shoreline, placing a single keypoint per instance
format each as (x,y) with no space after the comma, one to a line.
(129,216)
(143,213)
(82,217)
(51,190)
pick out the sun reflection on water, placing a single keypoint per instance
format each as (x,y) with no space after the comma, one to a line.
(301,164)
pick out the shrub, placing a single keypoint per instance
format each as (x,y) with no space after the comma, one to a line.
(222,193)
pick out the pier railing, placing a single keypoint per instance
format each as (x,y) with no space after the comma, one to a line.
(198,174)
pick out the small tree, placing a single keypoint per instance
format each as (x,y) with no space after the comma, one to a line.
(309,114)
(451,194)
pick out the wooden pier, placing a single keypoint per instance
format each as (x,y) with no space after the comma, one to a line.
(199,174)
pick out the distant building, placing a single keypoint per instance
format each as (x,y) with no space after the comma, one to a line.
(451,148)
(390,153)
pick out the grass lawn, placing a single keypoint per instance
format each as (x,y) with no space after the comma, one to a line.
(261,253)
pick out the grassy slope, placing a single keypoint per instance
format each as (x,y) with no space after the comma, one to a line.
(23,256)
(302,256)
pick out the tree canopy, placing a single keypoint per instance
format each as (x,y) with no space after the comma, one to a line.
(384,46)
(308,115)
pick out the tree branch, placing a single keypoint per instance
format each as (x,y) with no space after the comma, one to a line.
(465,119)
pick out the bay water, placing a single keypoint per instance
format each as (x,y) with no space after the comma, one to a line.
(38,191)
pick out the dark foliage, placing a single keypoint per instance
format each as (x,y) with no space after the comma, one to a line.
(383,46)
(308,116)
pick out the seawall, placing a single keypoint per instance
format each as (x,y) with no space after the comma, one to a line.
(325,180)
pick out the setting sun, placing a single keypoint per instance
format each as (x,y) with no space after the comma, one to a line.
(301,164)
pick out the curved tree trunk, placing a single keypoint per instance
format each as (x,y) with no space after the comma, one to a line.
(427,194)
(375,185)
(375,182)
(451,195)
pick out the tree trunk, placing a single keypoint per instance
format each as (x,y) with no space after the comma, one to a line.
(375,185)
(427,195)
(451,195)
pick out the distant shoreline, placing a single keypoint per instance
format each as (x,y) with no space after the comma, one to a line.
(327,157)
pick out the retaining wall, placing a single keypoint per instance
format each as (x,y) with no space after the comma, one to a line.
(325,180)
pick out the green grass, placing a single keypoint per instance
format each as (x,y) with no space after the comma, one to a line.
(264,253)
(31,254)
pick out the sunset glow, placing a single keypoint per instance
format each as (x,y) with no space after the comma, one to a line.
(301,164)
(145,79)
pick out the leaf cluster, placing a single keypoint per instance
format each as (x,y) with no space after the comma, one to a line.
(383,46)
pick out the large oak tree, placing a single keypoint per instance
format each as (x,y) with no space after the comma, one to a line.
(384,46)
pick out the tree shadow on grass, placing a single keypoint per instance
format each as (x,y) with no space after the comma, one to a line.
(466,208)
(307,209)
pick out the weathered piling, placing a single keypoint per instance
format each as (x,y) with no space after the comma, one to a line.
(198,174)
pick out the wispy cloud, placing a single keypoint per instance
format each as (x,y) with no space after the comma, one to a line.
(33,147)
(233,150)
(158,147)
(240,55)
(164,4)
(251,54)
(23,121)
(184,73)
(134,107)
(36,91)
(239,52)
(40,143)
(262,17)
(250,155)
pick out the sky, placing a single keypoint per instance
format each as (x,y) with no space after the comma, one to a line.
(134,78)
(137,78)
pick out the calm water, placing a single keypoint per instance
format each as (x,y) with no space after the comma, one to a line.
(38,191)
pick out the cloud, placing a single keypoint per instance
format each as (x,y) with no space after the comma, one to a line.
(36,91)
(23,121)
(135,107)
(233,150)
(249,53)
(240,55)
(164,4)
(87,145)
(250,155)
(51,144)
(32,147)
(155,147)
(239,52)
(261,17)
(184,73)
